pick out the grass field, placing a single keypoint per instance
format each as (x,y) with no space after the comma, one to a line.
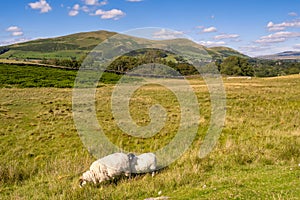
(257,156)
(30,76)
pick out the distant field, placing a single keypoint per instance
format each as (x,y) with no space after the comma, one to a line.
(42,157)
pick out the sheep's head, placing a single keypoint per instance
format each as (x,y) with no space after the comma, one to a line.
(131,156)
(82,182)
(86,177)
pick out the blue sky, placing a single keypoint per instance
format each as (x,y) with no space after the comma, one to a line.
(254,27)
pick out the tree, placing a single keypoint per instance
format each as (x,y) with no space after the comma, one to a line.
(236,66)
(247,69)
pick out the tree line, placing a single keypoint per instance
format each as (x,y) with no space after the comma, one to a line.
(231,66)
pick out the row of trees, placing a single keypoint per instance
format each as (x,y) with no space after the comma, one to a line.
(237,66)
(129,62)
(270,68)
(71,63)
(232,66)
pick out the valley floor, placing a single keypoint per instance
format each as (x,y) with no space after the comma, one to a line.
(257,155)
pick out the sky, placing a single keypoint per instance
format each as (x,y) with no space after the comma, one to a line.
(253,27)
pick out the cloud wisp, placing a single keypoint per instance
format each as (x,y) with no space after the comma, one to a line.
(293,14)
(226,36)
(278,37)
(282,26)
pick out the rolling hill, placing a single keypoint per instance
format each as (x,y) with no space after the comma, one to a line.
(224,52)
(70,46)
(77,46)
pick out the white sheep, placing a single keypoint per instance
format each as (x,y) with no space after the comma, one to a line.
(106,168)
(144,163)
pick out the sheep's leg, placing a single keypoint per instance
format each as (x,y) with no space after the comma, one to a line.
(128,174)
(153,174)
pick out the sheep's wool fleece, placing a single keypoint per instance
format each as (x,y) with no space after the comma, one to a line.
(144,163)
(107,168)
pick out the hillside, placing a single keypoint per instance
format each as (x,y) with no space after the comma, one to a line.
(224,52)
(76,46)
(70,46)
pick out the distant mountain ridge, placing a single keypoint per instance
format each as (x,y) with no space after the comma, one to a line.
(76,46)
(286,55)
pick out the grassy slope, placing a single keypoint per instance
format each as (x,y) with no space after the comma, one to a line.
(37,76)
(79,45)
(74,45)
(224,52)
(257,157)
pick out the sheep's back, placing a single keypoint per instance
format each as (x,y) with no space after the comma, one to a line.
(146,163)
(117,162)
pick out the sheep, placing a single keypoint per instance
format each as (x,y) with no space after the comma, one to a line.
(106,168)
(144,163)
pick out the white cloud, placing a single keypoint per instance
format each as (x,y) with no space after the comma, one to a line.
(278,37)
(95,2)
(75,10)
(91,2)
(271,40)
(41,5)
(282,26)
(15,30)
(212,43)
(293,14)
(73,13)
(76,7)
(89,7)
(273,27)
(17,33)
(103,3)
(134,0)
(226,36)
(167,34)
(209,29)
(110,14)
(85,9)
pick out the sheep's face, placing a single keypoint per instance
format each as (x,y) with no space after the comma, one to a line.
(131,156)
(86,177)
(82,182)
